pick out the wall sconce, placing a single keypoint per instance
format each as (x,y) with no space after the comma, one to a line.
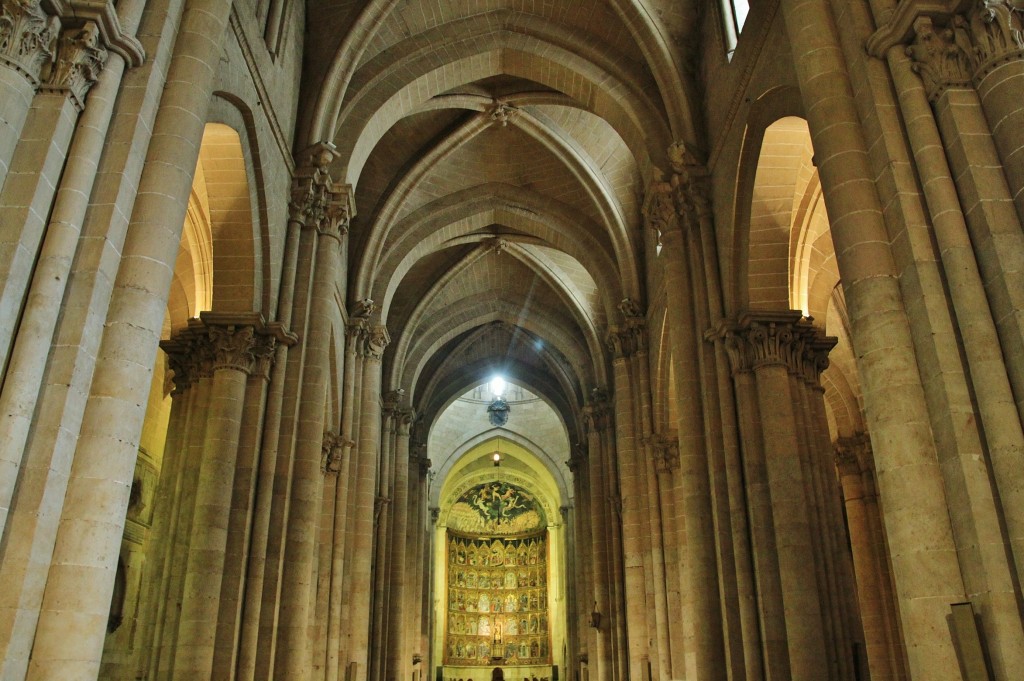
(595,618)
(497,458)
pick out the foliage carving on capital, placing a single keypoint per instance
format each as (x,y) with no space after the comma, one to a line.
(597,412)
(318,202)
(689,184)
(941,56)
(659,209)
(853,454)
(631,337)
(332,449)
(233,347)
(997,30)
(373,341)
(781,338)
(28,38)
(967,46)
(80,58)
(665,452)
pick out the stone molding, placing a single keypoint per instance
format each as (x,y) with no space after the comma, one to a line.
(784,338)
(28,38)
(318,202)
(80,58)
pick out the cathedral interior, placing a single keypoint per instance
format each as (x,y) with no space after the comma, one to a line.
(587,340)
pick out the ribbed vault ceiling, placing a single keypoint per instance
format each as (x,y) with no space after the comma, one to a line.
(498,151)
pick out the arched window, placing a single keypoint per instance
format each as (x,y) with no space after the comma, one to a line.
(734,14)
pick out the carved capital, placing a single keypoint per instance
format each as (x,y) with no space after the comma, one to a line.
(853,454)
(775,338)
(80,58)
(941,56)
(665,452)
(264,355)
(373,341)
(233,347)
(996,28)
(379,504)
(659,209)
(631,337)
(597,413)
(28,38)
(318,202)
(333,453)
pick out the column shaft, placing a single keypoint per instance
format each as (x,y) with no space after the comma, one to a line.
(399,653)
(70,632)
(204,565)
(908,471)
(365,491)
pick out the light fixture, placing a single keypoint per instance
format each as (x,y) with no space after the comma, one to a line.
(497,386)
(496,457)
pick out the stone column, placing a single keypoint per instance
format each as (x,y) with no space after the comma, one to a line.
(768,342)
(382,527)
(995,29)
(869,590)
(243,506)
(69,635)
(909,476)
(232,349)
(374,342)
(37,164)
(28,43)
(702,620)
(343,500)
(328,208)
(666,453)
(399,651)
(171,565)
(596,418)
(263,503)
(623,342)
(419,557)
(24,373)
(772,634)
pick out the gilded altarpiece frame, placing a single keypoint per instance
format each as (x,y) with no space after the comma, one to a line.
(497,579)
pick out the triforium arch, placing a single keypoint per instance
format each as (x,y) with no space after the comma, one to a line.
(753,287)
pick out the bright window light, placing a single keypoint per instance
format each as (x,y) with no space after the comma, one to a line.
(498,386)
